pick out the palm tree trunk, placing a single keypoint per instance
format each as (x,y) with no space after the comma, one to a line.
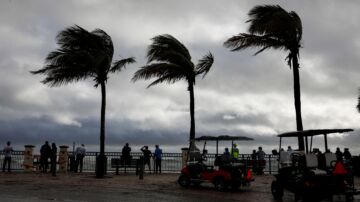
(192,111)
(101,161)
(102,124)
(297,99)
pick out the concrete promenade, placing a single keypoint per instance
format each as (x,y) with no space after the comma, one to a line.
(19,186)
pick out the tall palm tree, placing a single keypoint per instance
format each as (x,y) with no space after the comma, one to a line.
(83,55)
(273,27)
(358,105)
(170,61)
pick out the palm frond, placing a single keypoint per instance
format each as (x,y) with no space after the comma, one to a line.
(204,65)
(74,38)
(104,42)
(59,75)
(243,41)
(120,64)
(157,70)
(297,25)
(169,78)
(64,66)
(267,19)
(81,54)
(166,43)
(161,54)
(274,20)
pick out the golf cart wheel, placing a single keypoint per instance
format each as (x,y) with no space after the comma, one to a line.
(196,184)
(184,181)
(349,197)
(219,184)
(277,190)
(235,186)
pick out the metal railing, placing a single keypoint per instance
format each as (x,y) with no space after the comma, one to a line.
(17,160)
(171,162)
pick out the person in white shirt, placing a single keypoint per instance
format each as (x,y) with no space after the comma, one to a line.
(80,154)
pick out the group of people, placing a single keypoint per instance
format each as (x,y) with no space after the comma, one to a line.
(126,157)
(46,153)
(343,156)
(257,157)
(258,161)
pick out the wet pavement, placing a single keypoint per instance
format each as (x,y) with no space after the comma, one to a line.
(85,187)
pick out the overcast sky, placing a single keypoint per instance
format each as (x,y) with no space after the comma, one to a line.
(241,95)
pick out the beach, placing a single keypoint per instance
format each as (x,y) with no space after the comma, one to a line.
(19,186)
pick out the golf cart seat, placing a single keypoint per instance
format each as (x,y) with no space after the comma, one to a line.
(312,164)
(330,158)
(194,155)
(285,159)
(222,161)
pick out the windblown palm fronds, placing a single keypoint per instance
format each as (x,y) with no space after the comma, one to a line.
(169,61)
(81,55)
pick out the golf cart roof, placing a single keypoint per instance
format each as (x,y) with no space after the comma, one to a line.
(310,133)
(223,138)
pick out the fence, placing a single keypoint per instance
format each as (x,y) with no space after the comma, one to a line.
(17,160)
(171,162)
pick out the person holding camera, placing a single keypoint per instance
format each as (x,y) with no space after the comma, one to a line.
(147,155)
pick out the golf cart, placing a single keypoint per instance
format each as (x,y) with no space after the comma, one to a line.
(312,177)
(231,173)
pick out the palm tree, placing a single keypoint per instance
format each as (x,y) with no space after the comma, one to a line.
(81,55)
(170,61)
(273,27)
(358,105)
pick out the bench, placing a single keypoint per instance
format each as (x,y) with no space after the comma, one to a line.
(118,163)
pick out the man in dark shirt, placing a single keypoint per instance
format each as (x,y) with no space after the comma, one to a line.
(45,153)
(7,159)
(347,155)
(147,155)
(126,154)
(339,154)
(53,159)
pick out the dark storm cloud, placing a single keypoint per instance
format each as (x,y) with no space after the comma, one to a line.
(37,130)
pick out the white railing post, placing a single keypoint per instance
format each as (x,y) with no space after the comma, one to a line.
(63,158)
(28,158)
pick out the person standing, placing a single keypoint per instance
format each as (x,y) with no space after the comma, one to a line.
(234,152)
(347,155)
(158,158)
(261,160)
(7,153)
(147,155)
(45,152)
(53,159)
(80,154)
(226,157)
(126,154)
(254,160)
(339,154)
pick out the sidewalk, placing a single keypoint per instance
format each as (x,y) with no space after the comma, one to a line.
(18,186)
